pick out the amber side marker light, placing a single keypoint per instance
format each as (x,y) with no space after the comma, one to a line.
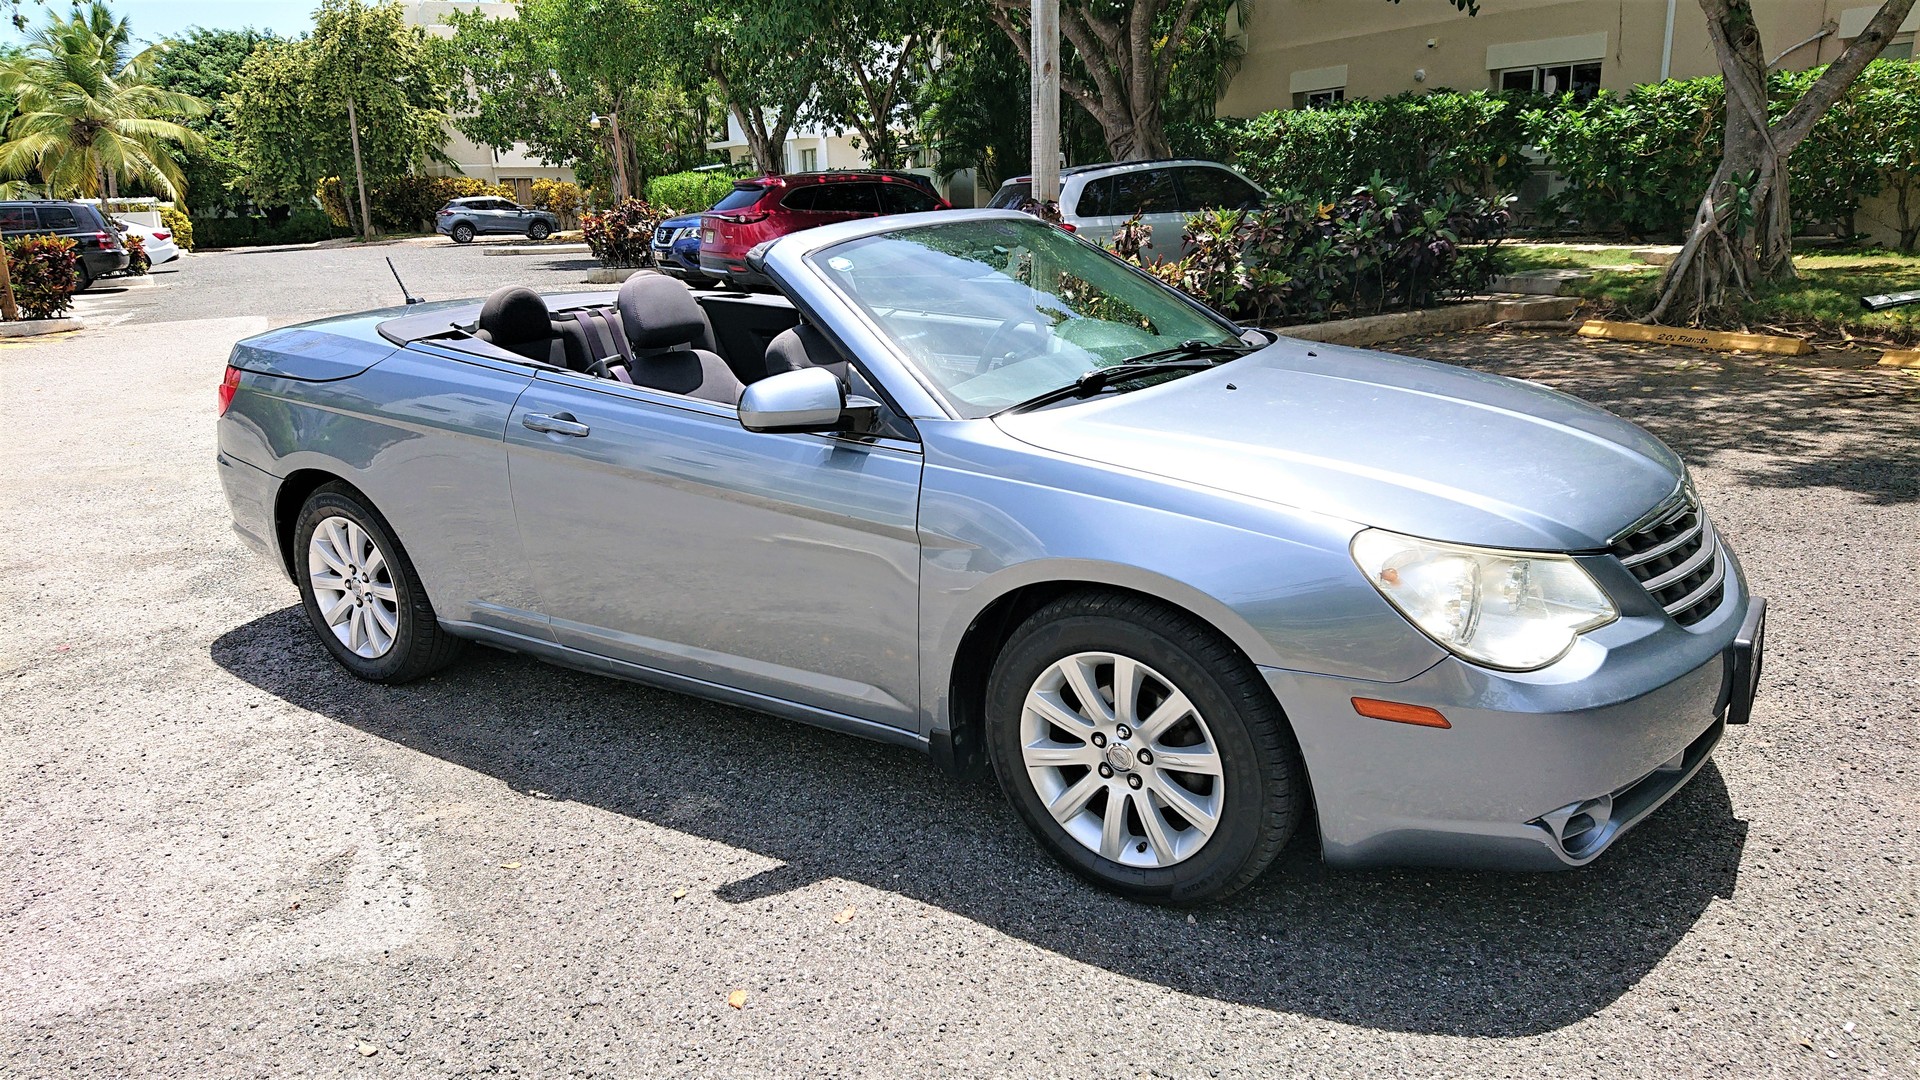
(1399,713)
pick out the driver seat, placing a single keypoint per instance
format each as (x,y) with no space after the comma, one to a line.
(804,347)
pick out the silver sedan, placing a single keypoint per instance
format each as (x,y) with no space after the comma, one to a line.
(966,483)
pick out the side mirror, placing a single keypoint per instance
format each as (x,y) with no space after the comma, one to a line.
(811,399)
(1257,337)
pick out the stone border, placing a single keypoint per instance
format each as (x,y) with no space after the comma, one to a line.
(37,327)
(1377,328)
(537,249)
(612,275)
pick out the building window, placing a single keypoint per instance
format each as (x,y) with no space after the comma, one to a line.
(1900,48)
(810,160)
(1320,99)
(1582,80)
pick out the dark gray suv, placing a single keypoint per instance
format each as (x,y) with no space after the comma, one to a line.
(464,219)
(97,245)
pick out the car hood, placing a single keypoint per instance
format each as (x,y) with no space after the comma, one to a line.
(1409,445)
(684,221)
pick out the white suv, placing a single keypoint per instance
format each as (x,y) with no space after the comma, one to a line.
(1097,199)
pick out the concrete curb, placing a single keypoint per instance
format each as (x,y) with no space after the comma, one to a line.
(612,275)
(539,249)
(1377,328)
(37,327)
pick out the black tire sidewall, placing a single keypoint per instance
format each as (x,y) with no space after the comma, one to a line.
(408,647)
(1221,863)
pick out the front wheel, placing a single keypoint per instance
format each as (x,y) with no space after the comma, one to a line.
(462,233)
(539,230)
(1142,749)
(361,593)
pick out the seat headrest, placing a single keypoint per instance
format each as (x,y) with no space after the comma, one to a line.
(515,315)
(802,347)
(659,312)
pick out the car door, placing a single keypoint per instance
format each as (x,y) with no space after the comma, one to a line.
(662,533)
(1210,187)
(495,217)
(1108,202)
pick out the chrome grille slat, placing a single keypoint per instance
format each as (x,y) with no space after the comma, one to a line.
(1708,549)
(1675,555)
(1655,552)
(1719,578)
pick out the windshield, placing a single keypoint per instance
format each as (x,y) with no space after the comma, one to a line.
(999,311)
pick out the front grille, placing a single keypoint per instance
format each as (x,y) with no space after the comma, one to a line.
(663,236)
(1677,557)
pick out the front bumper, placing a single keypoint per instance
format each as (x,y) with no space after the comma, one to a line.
(1540,770)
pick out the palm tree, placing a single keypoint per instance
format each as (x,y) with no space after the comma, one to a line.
(86,113)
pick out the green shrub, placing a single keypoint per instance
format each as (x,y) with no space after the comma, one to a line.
(402,203)
(304,226)
(622,236)
(179,224)
(1434,142)
(45,272)
(1383,248)
(138,261)
(689,192)
(1636,162)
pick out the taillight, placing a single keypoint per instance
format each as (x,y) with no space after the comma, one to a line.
(229,384)
(163,236)
(1069,226)
(742,219)
(106,240)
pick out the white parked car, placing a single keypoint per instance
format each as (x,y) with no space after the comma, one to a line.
(1098,199)
(159,242)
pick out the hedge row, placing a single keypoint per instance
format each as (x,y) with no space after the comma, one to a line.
(303,227)
(1634,162)
(689,192)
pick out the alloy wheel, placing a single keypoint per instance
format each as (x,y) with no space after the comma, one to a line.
(1122,760)
(353,587)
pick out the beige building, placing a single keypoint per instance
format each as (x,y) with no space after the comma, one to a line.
(1301,52)
(517,166)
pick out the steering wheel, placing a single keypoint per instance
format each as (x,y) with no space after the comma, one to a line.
(995,354)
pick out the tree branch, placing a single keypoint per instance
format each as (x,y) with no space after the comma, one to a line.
(1840,74)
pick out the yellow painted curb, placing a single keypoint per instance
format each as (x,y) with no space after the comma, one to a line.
(1908,359)
(1700,339)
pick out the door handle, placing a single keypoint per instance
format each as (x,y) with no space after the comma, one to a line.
(557,424)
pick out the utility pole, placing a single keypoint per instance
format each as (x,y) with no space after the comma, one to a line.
(359,171)
(1046,101)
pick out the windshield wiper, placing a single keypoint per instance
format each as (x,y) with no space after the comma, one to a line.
(1196,348)
(1199,355)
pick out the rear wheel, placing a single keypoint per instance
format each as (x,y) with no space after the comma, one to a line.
(539,230)
(82,277)
(462,233)
(361,592)
(1142,749)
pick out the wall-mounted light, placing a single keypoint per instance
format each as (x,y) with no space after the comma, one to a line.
(1419,74)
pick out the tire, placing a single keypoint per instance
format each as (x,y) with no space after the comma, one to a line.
(539,230)
(83,277)
(388,604)
(1233,725)
(462,233)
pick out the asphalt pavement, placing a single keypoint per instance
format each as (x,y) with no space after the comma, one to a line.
(221,857)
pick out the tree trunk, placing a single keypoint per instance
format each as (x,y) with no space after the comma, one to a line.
(1126,63)
(1743,230)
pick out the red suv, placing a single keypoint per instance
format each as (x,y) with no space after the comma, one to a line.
(765,207)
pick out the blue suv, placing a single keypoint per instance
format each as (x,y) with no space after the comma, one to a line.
(676,249)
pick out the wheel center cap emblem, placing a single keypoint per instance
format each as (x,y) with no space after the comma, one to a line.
(1120,756)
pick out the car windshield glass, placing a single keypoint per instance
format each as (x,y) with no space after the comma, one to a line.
(740,197)
(996,312)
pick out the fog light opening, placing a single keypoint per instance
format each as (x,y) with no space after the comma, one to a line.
(1580,829)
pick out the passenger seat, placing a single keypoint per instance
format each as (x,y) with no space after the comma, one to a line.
(515,318)
(672,341)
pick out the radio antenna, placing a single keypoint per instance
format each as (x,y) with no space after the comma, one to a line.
(411,299)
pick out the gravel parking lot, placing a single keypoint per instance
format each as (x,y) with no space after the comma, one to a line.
(224,858)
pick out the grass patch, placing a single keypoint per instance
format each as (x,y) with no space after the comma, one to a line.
(1515,258)
(1825,301)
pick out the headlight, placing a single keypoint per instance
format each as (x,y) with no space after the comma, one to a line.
(1504,609)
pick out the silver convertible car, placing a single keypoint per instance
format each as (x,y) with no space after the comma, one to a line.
(967,483)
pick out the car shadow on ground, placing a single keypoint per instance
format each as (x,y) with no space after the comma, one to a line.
(1830,419)
(1471,954)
